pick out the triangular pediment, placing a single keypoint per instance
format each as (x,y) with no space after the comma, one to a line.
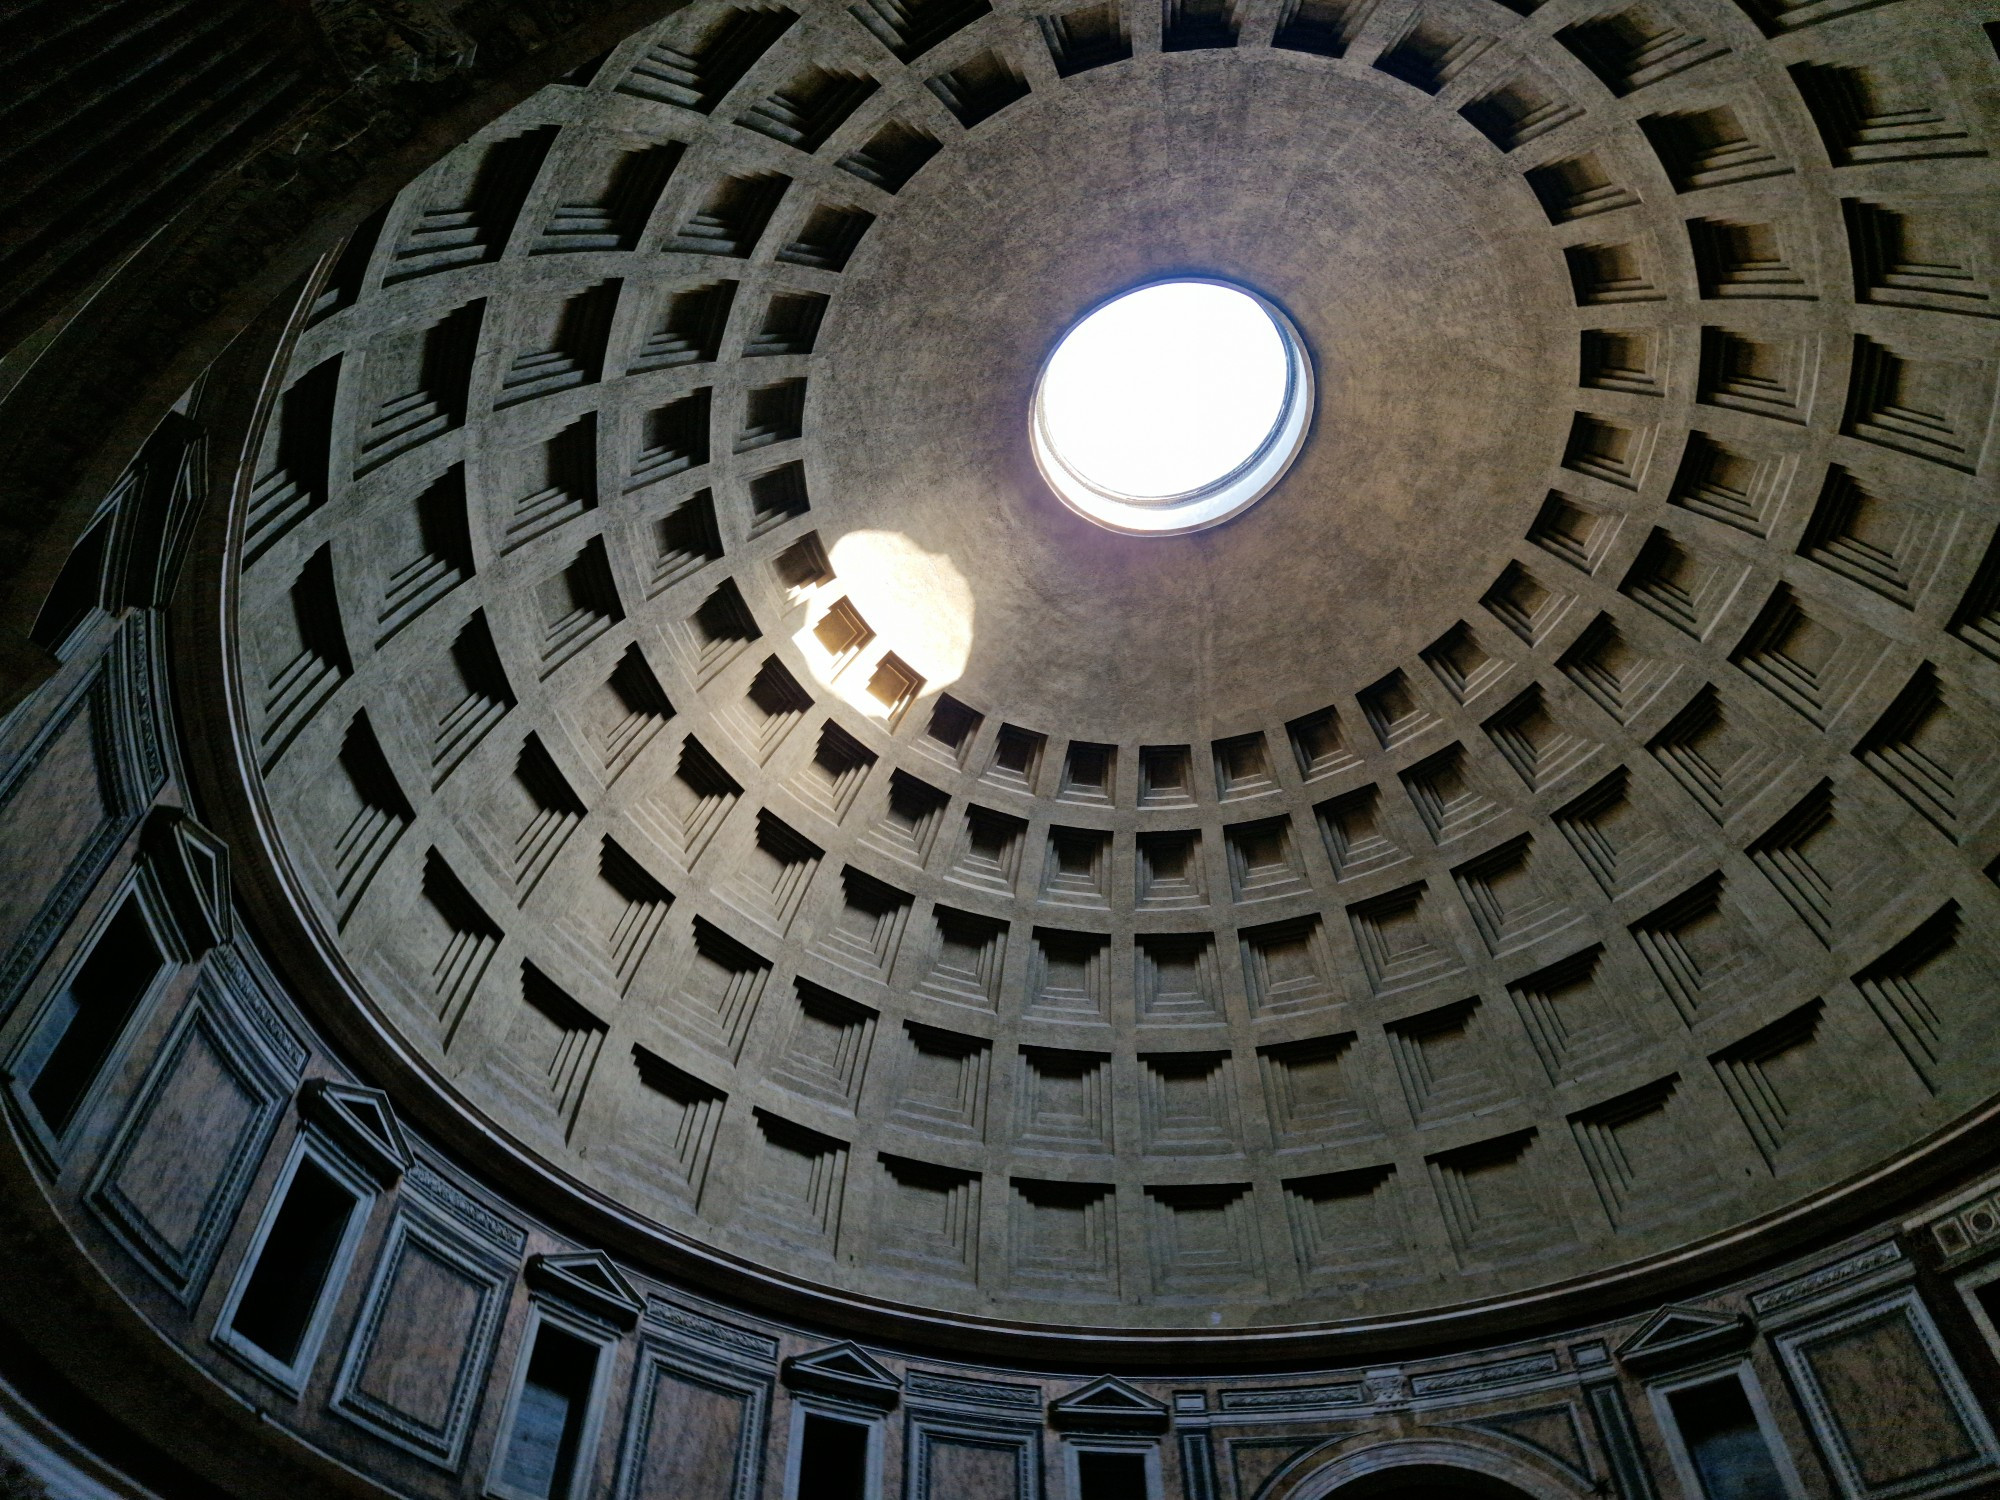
(361,1123)
(588,1280)
(1681,1335)
(846,1371)
(1108,1404)
(192,867)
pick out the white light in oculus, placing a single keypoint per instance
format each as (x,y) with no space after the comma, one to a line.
(1172,407)
(1165,390)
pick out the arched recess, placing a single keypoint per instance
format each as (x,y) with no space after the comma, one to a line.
(1409,1468)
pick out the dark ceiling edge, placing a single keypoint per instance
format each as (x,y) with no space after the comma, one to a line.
(131,343)
(210,715)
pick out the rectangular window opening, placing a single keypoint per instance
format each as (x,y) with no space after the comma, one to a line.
(1989,1301)
(833,1460)
(1725,1443)
(294,1263)
(82,1025)
(1111,1476)
(542,1450)
(77,591)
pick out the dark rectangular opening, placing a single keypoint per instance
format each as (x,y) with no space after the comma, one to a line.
(1989,1301)
(1725,1443)
(833,1460)
(83,1024)
(1110,1476)
(294,1262)
(78,589)
(548,1420)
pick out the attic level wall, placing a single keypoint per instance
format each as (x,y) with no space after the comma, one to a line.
(168,1093)
(441,1340)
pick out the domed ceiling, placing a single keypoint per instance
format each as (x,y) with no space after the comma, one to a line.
(1549,833)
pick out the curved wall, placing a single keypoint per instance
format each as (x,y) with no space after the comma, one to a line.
(139,1226)
(179,1053)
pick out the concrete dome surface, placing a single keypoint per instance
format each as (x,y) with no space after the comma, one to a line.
(603,892)
(708,742)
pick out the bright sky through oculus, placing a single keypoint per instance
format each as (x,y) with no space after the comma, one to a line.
(1166,389)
